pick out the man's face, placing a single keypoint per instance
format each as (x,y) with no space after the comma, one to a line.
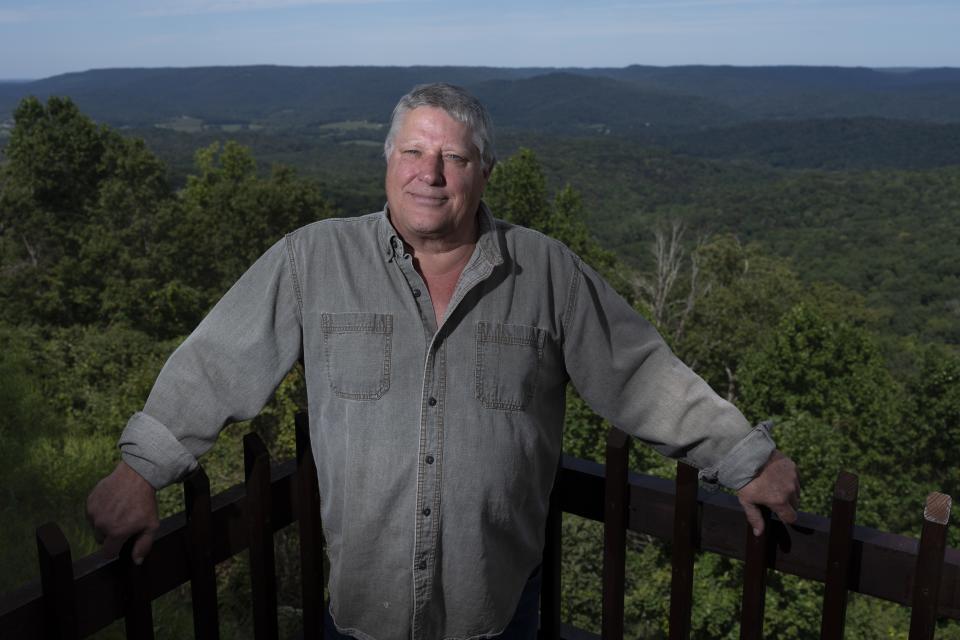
(434,178)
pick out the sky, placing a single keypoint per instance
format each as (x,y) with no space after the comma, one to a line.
(41,38)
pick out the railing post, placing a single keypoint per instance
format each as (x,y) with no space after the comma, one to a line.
(842,518)
(929,567)
(56,581)
(686,533)
(137,607)
(754,581)
(615,510)
(311,538)
(260,527)
(203,579)
(550,567)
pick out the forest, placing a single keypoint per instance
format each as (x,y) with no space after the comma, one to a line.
(808,284)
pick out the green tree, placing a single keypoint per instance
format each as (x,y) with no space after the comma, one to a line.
(54,164)
(830,369)
(825,381)
(934,418)
(735,294)
(78,216)
(231,215)
(517,193)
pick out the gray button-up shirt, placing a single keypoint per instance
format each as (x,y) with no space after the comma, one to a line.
(436,447)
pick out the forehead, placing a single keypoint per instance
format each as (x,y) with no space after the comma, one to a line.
(433,124)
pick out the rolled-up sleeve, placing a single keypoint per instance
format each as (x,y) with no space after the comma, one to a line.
(743,461)
(225,371)
(625,371)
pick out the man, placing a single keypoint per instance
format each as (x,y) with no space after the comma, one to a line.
(437,344)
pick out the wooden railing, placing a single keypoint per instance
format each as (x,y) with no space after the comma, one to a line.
(76,599)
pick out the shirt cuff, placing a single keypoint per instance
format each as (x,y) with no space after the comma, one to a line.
(744,461)
(149,447)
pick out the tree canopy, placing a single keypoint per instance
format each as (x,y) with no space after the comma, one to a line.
(106,263)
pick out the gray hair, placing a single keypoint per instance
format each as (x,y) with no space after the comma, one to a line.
(458,104)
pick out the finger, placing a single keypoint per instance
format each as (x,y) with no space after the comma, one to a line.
(795,500)
(89,515)
(754,517)
(112,546)
(787,515)
(142,547)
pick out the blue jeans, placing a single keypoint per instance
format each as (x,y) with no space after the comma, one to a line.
(523,626)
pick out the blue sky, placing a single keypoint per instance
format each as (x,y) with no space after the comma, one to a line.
(40,38)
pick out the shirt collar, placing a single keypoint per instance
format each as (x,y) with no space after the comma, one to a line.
(488,244)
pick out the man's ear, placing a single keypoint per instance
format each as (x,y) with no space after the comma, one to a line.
(487,172)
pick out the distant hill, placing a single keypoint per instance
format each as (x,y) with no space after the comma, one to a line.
(573,103)
(270,95)
(598,100)
(810,92)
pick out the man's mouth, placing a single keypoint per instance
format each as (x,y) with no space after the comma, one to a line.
(428,199)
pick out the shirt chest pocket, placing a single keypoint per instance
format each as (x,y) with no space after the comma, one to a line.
(357,349)
(508,364)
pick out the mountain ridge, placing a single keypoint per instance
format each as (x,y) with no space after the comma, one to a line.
(681,97)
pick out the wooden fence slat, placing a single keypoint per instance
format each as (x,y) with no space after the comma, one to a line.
(311,536)
(842,518)
(926,585)
(137,608)
(616,505)
(203,578)
(260,529)
(686,532)
(754,581)
(56,580)
(550,567)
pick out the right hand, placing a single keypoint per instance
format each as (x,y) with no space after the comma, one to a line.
(777,487)
(122,505)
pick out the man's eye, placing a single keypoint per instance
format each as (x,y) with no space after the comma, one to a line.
(413,153)
(455,158)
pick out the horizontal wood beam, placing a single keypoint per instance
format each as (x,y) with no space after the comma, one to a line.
(883,563)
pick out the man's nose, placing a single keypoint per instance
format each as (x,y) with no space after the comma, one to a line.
(431,169)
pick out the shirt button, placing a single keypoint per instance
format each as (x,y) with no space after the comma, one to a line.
(422,565)
(432,402)
(429,459)
(426,511)
(416,293)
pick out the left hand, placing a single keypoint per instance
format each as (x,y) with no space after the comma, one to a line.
(777,486)
(121,506)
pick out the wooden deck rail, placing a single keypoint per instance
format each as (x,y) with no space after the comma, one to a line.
(76,599)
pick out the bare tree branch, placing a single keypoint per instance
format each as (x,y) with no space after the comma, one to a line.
(668,259)
(731,384)
(30,251)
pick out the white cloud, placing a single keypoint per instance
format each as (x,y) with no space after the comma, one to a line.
(183,7)
(11,16)
(20,16)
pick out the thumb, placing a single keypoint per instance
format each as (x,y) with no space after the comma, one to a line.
(754,517)
(141,547)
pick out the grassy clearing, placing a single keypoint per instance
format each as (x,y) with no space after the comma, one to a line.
(353,125)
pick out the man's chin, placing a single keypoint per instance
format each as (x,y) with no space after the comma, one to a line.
(431,220)
(433,231)
(428,223)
